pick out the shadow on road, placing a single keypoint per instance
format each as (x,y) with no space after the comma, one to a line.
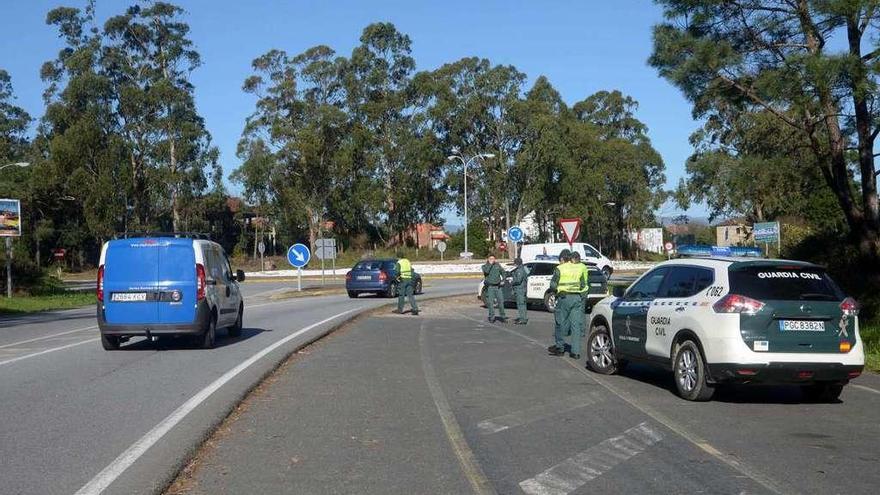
(189,342)
(731,394)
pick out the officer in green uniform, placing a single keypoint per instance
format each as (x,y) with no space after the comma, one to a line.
(558,347)
(493,277)
(519,276)
(569,282)
(405,286)
(577,320)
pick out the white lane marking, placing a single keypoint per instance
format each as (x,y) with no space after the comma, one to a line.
(680,430)
(46,351)
(867,389)
(109,474)
(466,458)
(536,413)
(46,337)
(575,472)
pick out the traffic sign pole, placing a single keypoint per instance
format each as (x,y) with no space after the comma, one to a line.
(299,280)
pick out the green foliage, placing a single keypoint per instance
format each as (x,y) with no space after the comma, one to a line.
(33,304)
(478,242)
(793,84)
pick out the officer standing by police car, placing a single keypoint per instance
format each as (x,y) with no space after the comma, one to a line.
(519,276)
(493,277)
(569,282)
(405,286)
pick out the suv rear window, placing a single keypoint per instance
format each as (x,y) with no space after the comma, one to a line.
(784,283)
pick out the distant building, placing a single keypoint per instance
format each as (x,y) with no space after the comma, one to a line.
(733,232)
(650,240)
(422,235)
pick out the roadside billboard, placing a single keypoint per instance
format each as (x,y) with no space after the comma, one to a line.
(766,232)
(10,218)
(650,239)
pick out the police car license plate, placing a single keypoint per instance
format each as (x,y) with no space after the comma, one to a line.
(128,297)
(801,326)
(364,277)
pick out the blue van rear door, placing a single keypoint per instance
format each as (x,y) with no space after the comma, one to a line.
(130,274)
(177,282)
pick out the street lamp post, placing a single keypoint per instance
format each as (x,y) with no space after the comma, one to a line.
(465,163)
(9,239)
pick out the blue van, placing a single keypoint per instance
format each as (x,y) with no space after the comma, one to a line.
(156,286)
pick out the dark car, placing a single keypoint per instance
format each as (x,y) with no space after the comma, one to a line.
(376,277)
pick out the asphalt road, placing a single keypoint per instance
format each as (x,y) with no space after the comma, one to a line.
(449,404)
(76,417)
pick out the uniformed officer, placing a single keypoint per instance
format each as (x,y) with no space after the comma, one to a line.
(519,276)
(569,282)
(405,286)
(493,277)
(558,347)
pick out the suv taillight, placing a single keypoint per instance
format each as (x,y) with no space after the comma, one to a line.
(100,291)
(200,281)
(850,307)
(735,303)
(383,276)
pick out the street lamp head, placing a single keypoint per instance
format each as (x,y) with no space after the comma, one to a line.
(22,164)
(452,157)
(487,155)
(611,203)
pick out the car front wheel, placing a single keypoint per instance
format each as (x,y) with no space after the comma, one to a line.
(690,373)
(601,358)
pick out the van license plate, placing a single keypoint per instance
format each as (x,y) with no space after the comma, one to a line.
(128,297)
(801,326)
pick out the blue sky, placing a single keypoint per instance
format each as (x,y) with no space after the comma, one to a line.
(581,46)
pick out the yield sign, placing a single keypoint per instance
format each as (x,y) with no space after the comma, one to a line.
(571,227)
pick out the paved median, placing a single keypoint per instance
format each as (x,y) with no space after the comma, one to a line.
(447,403)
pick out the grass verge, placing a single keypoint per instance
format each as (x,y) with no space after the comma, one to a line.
(871,337)
(33,304)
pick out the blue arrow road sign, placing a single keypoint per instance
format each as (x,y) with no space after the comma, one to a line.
(515,234)
(298,255)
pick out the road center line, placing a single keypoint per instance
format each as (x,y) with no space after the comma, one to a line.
(110,473)
(702,444)
(46,351)
(576,471)
(46,337)
(537,413)
(867,389)
(460,447)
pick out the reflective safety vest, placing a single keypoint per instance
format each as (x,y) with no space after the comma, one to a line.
(405,268)
(572,278)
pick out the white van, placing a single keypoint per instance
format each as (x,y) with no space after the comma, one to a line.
(530,252)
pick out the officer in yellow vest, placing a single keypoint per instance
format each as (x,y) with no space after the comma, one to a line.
(405,286)
(570,283)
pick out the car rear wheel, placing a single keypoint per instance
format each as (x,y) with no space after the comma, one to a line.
(600,347)
(823,391)
(418,287)
(110,342)
(550,302)
(209,335)
(352,294)
(690,373)
(392,291)
(235,330)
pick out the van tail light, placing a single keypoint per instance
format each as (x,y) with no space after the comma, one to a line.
(200,281)
(383,276)
(850,307)
(735,303)
(100,291)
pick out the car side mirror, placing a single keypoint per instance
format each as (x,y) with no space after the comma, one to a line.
(618,291)
(239,275)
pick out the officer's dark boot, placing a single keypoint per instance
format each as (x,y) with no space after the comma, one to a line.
(555,351)
(415,312)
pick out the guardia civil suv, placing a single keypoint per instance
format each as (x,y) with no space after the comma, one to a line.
(727,319)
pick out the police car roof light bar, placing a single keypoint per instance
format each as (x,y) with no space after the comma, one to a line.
(718,251)
(185,235)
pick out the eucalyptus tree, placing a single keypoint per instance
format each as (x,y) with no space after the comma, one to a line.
(150,59)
